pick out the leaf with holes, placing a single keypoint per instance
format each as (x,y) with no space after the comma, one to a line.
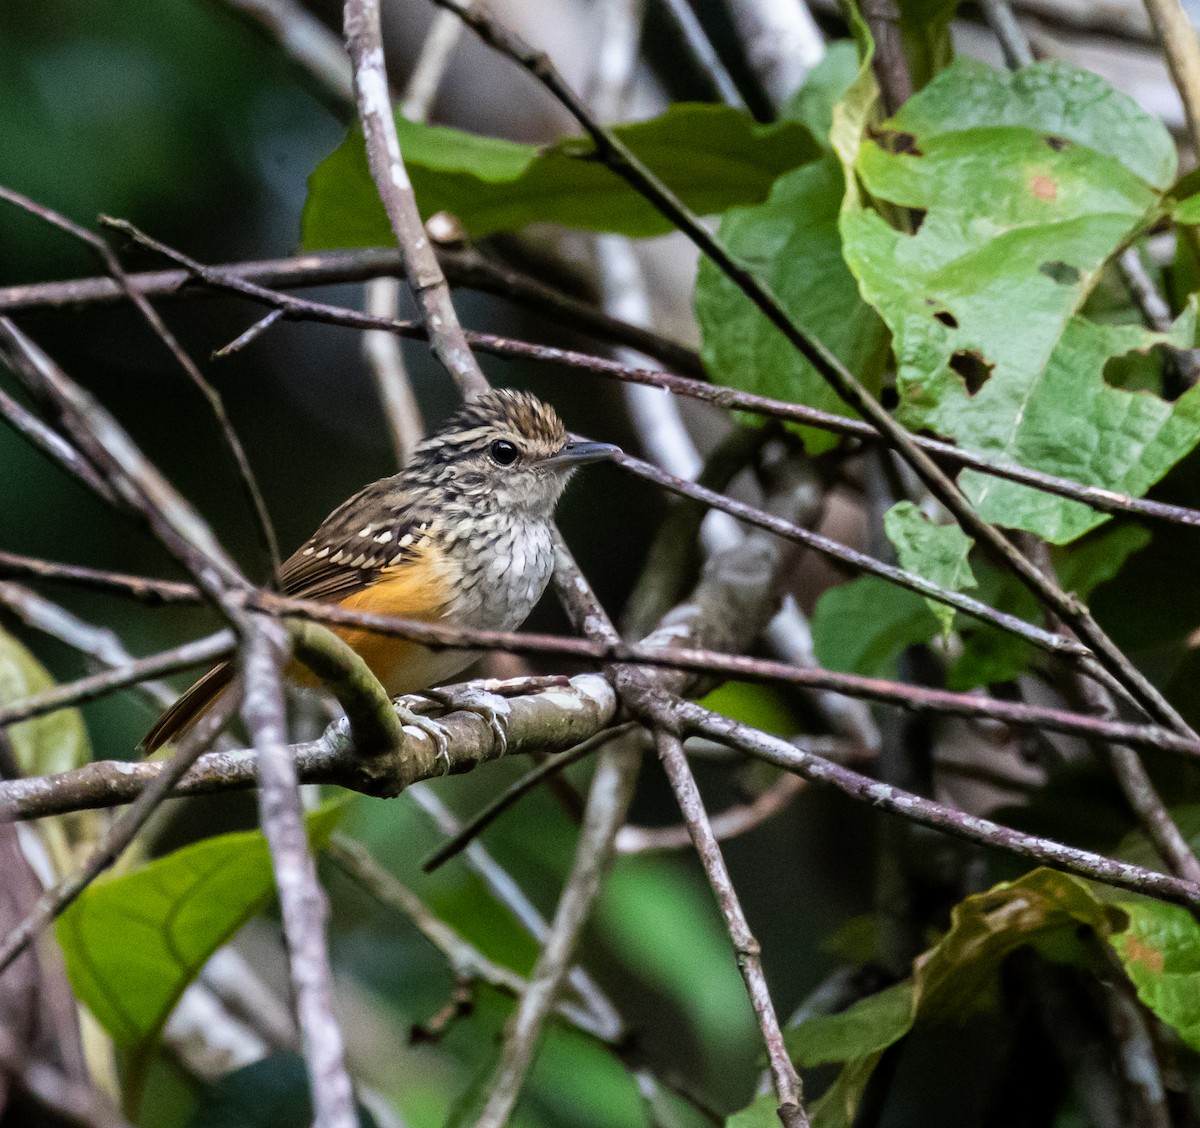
(937,552)
(713,157)
(1019,187)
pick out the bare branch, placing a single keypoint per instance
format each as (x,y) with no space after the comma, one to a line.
(783,1072)
(112,264)
(1178,38)
(119,834)
(301,899)
(928,813)
(364,43)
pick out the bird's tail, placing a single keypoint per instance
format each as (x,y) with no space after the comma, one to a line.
(188,709)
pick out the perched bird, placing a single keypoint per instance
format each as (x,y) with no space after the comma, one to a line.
(462,535)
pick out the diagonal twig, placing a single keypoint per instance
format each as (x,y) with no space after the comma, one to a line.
(294,308)
(216,405)
(620,160)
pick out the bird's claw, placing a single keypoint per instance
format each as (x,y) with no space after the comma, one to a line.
(467,699)
(431,728)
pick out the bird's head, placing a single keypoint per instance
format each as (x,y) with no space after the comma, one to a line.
(504,449)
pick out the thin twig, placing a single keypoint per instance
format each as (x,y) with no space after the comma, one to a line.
(730,823)
(618,157)
(52,444)
(1178,39)
(501,885)
(120,834)
(185,657)
(385,359)
(749,954)
(1099,498)
(466,961)
(705,53)
(484,818)
(301,899)
(1122,875)
(428,283)
(99,644)
(216,405)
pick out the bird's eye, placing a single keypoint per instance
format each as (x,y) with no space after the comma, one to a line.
(503,452)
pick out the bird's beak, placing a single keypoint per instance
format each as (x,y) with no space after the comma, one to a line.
(576,452)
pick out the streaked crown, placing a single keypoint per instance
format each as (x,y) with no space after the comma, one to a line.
(498,416)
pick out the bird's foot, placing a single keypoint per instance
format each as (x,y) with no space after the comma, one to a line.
(430,727)
(472,699)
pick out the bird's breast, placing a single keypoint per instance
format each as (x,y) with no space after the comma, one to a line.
(505,566)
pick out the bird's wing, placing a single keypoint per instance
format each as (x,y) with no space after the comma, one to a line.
(359,544)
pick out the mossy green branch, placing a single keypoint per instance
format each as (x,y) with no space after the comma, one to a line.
(374,726)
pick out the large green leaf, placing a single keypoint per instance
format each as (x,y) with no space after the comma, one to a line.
(55,742)
(991,655)
(862,627)
(950,981)
(713,157)
(133,943)
(937,552)
(1161,953)
(1023,185)
(272,1093)
(793,243)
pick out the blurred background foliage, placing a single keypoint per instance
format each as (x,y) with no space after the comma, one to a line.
(182,119)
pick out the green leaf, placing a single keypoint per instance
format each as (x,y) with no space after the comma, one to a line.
(760,1113)
(55,742)
(863,627)
(824,86)
(133,943)
(869,1026)
(1074,424)
(1161,953)
(1024,185)
(272,1093)
(797,224)
(752,704)
(712,156)
(950,981)
(937,552)
(925,32)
